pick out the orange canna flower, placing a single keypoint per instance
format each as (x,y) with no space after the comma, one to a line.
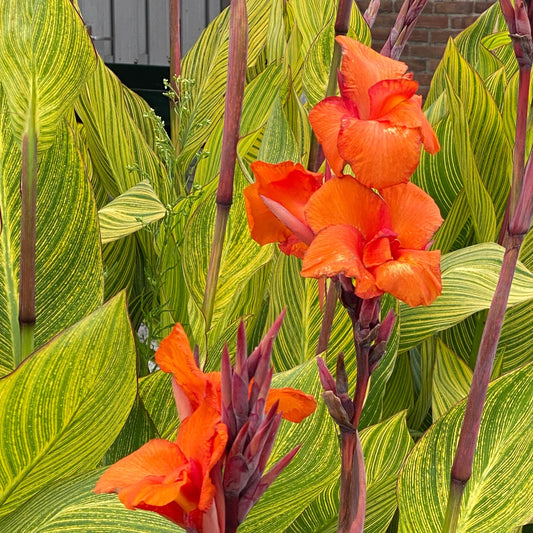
(379,240)
(173,479)
(175,356)
(376,125)
(286,188)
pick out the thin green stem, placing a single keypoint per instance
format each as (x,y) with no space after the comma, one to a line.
(238,42)
(28,233)
(451,518)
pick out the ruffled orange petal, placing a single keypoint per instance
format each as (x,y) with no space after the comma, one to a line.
(378,250)
(362,68)
(345,201)
(264,227)
(294,405)
(325,119)
(414,277)
(266,173)
(386,95)
(294,191)
(379,153)
(175,356)
(414,214)
(336,250)
(293,246)
(157,458)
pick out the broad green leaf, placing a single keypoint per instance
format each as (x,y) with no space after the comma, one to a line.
(130,212)
(120,152)
(479,201)
(278,142)
(298,338)
(46,58)
(304,478)
(385,447)
(469,277)
(69,282)
(399,394)
(451,380)
(71,505)
(64,406)
(498,496)
(206,65)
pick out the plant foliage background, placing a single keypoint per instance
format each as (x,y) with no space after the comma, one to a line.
(124,229)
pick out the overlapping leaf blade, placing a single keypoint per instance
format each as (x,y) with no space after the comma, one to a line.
(498,497)
(68,258)
(385,447)
(129,212)
(469,277)
(63,407)
(72,506)
(34,35)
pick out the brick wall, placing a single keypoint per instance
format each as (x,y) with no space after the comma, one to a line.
(440,20)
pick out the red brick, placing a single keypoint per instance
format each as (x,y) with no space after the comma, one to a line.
(430,51)
(380,33)
(432,21)
(419,35)
(386,6)
(416,65)
(462,22)
(481,6)
(454,8)
(424,79)
(433,64)
(386,20)
(440,36)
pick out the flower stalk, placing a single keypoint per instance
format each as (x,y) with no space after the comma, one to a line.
(175,70)
(517,222)
(238,43)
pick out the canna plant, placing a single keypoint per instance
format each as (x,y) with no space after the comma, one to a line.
(125,218)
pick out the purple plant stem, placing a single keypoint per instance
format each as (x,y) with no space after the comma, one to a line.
(238,42)
(517,221)
(352,505)
(175,69)
(328,316)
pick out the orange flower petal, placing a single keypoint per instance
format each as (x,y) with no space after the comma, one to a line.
(325,119)
(379,153)
(345,201)
(414,214)
(386,95)
(264,227)
(294,405)
(157,457)
(336,250)
(362,68)
(175,356)
(377,251)
(414,277)
(293,246)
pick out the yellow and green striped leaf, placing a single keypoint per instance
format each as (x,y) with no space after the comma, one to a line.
(72,506)
(69,281)
(64,406)
(130,212)
(469,277)
(37,73)
(451,380)
(385,447)
(498,497)
(298,485)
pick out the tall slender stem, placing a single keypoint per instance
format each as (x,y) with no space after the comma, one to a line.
(327,318)
(517,221)
(175,69)
(352,504)
(238,42)
(28,234)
